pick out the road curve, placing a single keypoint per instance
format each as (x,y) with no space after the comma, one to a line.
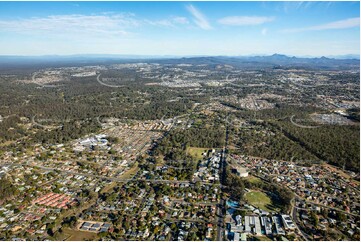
(44,126)
(302,126)
(107,85)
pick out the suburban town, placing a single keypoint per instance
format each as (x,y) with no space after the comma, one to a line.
(180,121)
(86,187)
(92,185)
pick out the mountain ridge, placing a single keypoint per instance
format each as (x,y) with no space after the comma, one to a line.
(247,62)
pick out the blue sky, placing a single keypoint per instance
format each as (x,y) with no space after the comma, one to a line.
(180,28)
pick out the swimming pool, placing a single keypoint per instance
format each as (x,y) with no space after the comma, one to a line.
(233,204)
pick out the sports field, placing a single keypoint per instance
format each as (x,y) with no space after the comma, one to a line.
(260,200)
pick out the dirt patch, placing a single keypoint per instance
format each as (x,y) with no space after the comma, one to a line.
(76,235)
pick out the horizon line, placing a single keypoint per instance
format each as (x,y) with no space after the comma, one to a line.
(147,56)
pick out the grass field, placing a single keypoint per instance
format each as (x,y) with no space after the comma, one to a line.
(126,175)
(253,179)
(159,160)
(108,188)
(260,200)
(196,153)
(131,172)
(76,235)
(260,238)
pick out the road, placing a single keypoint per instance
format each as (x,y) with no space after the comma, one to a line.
(44,126)
(114,179)
(221,209)
(107,85)
(222,204)
(302,126)
(308,201)
(297,222)
(328,207)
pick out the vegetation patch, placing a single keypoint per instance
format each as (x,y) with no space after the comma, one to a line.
(196,152)
(131,172)
(260,200)
(253,179)
(327,144)
(260,238)
(263,140)
(76,235)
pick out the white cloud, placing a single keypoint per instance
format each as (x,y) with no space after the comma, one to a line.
(199,19)
(105,24)
(342,24)
(296,6)
(245,20)
(162,23)
(171,22)
(181,20)
(60,24)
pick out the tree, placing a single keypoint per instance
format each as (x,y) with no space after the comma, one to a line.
(314,218)
(235,185)
(7,189)
(173,226)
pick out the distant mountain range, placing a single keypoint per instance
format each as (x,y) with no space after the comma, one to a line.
(119,56)
(248,62)
(272,61)
(344,56)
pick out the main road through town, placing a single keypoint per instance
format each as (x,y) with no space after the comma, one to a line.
(221,209)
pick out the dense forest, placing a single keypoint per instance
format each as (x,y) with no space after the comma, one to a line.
(272,135)
(203,136)
(269,143)
(326,142)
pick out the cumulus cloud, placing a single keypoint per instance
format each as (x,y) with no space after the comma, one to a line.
(245,20)
(342,24)
(199,19)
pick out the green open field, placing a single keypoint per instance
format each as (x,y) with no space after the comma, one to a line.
(253,179)
(131,172)
(260,200)
(196,153)
(159,160)
(260,238)
(126,175)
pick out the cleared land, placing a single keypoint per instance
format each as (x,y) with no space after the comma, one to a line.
(131,172)
(196,153)
(260,238)
(76,235)
(253,179)
(260,200)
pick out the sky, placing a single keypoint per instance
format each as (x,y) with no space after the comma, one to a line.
(180,28)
